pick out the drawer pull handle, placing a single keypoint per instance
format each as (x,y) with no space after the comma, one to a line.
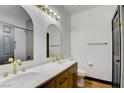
(63,81)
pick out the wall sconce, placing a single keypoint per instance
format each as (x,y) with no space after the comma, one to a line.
(48,11)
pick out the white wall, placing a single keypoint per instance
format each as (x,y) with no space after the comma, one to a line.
(93,26)
(41,22)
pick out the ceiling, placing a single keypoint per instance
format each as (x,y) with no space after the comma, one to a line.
(73,9)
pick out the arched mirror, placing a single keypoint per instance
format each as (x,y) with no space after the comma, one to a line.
(53,41)
(16,34)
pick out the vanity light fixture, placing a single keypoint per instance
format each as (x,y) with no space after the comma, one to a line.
(48,11)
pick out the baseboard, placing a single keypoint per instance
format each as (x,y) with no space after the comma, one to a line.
(99,80)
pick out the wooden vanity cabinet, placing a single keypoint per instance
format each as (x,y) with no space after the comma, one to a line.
(66,79)
(71,77)
(50,84)
(62,80)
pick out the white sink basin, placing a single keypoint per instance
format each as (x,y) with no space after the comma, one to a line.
(22,80)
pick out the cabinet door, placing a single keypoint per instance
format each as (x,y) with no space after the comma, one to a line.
(62,80)
(71,77)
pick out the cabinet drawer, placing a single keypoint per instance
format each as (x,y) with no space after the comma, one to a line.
(62,80)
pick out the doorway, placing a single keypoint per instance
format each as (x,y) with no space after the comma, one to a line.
(116,49)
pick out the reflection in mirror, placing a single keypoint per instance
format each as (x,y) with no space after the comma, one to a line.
(16,34)
(53,41)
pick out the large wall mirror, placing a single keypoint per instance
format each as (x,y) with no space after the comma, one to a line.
(16,34)
(53,41)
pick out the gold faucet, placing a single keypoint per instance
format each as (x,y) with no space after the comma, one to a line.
(14,62)
(56,58)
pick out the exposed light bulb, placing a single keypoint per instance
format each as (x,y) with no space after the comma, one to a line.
(49,11)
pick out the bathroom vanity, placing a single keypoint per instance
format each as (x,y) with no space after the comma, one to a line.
(21,42)
(50,75)
(65,79)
